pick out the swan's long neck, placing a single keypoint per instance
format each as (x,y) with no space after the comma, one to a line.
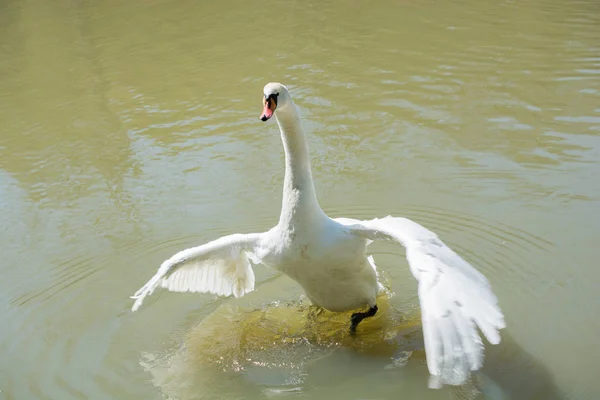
(299,204)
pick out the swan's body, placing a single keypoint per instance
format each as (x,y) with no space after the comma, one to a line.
(327,257)
(317,254)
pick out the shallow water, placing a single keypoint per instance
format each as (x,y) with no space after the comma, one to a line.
(130,131)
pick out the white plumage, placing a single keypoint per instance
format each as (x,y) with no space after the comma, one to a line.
(327,257)
(219,267)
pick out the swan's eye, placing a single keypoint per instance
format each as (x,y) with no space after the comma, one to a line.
(272,96)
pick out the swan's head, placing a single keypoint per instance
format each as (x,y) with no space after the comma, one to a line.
(276,97)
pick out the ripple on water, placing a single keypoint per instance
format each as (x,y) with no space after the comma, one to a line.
(494,248)
(64,275)
(42,321)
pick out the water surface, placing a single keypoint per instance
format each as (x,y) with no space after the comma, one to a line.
(130,131)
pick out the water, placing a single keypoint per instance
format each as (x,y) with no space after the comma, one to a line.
(130,131)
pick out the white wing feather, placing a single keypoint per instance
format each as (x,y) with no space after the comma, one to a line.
(219,267)
(455,298)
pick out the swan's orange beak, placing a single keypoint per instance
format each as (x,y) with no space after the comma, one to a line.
(270,105)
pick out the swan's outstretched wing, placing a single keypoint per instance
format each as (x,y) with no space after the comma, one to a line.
(455,298)
(220,267)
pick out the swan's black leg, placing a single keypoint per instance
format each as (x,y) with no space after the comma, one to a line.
(359,316)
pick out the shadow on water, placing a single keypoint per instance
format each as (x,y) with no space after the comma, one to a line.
(291,348)
(511,370)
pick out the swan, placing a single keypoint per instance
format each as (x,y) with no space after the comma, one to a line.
(327,258)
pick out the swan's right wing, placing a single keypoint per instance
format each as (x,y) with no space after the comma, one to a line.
(219,267)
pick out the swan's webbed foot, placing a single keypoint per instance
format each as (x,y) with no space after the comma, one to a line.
(359,316)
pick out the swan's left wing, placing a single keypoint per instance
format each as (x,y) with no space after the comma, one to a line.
(220,267)
(455,298)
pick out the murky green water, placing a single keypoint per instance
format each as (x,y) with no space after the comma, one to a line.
(129,130)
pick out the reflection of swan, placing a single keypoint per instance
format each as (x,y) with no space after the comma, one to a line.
(327,257)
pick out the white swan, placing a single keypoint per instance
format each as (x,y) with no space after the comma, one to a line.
(327,257)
